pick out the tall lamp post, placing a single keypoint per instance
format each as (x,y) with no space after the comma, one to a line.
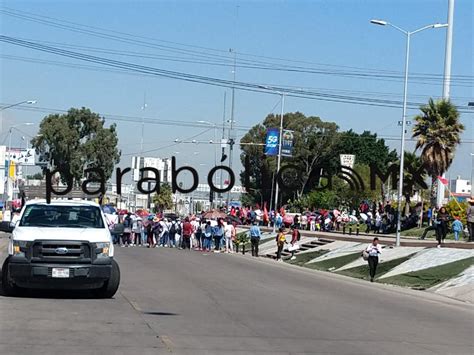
(7,189)
(29,102)
(471,104)
(408,35)
(282,94)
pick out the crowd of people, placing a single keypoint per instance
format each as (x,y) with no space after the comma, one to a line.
(374,218)
(219,235)
(188,233)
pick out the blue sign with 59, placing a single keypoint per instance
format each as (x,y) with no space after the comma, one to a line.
(271,142)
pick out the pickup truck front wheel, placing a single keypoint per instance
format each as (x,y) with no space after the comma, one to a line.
(110,286)
(8,288)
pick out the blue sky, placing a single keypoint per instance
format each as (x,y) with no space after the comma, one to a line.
(328,34)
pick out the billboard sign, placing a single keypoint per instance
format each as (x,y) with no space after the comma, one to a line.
(287,143)
(22,156)
(347,160)
(271,141)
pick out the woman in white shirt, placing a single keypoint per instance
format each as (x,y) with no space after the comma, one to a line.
(228,231)
(374,250)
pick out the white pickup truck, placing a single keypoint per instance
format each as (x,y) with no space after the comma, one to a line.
(61,245)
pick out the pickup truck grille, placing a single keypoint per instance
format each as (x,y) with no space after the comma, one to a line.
(61,251)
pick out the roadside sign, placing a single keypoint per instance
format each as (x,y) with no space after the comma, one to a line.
(347,160)
(287,143)
(271,142)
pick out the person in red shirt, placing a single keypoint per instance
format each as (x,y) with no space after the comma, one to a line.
(295,237)
(187,232)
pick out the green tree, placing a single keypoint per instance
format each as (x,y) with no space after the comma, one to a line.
(438,133)
(76,141)
(367,148)
(163,200)
(458,209)
(326,199)
(313,142)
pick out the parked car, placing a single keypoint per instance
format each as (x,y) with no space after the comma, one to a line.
(63,245)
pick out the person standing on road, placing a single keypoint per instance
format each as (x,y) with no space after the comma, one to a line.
(228,232)
(281,241)
(187,231)
(150,241)
(207,236)
(172,233)
(199,234)
(255,235)
(127,230)
(218,235)
(157,230)
(373,250)
(137,231)
(295,238)
(165,232)
(470,219)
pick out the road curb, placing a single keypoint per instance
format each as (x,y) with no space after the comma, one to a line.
(384,239)
(428,296)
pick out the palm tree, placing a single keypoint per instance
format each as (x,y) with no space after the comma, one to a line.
(413,163)
(438,131)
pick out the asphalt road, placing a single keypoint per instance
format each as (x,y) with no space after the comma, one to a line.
(186,302)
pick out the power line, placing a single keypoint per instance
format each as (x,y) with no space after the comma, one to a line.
(253,87)
(363,73)
(137,119)
(286,87)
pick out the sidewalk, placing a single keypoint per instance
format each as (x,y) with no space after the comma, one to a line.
(385,239)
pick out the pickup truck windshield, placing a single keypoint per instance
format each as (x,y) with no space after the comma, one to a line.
(62,216)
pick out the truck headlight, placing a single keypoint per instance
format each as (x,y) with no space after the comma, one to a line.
(103,250)
(19,247)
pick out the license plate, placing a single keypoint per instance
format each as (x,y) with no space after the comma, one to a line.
(62,273)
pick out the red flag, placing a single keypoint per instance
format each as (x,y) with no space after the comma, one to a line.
(443,180)
(265,212)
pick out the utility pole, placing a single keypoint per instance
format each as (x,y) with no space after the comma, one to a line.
(231,126)
(148,204)
(232,110)
(447,78)
(223,145)
(143,123)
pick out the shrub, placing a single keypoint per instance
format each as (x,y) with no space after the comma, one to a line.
(457,209)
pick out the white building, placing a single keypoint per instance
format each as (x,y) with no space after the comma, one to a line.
(163,165)
(460,186)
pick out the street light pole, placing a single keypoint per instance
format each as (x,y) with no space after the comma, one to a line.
(279,154)
(29,102)
(7,187)
(408,35)
(402,144)
(447,80)
(282,94)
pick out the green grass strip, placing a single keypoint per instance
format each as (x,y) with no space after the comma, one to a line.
(427,278)
(362,272)
(305,257)
(334,263)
